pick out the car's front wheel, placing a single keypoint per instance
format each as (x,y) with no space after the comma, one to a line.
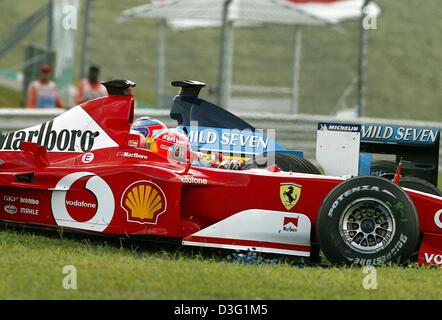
(367,221)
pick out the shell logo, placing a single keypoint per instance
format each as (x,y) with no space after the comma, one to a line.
(143,202)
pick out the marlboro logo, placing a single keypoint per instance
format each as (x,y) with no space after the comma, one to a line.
(290,224)
(64,140)
(73,131)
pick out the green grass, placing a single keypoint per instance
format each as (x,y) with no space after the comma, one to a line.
(440,181)
(402,59)
(31,267)
(9,98)
(403,82)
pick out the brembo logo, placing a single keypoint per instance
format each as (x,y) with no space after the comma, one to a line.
(57,140)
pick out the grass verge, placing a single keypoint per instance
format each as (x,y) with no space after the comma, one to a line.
(31,267)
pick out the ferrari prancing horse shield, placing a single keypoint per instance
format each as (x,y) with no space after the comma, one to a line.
(290,193)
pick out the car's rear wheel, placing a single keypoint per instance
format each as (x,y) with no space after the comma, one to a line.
(286,162)
(383,167)
(419,185)
(367,221)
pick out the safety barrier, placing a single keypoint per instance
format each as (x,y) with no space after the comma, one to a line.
(293,131)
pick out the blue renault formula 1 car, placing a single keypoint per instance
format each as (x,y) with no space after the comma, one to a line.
(213,129)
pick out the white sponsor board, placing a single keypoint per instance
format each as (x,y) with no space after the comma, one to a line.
(260,230)
(337,148)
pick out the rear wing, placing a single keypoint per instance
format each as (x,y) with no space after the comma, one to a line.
(99,123)
(417,147)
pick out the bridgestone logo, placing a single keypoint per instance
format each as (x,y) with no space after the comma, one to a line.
(193,180)
(60,140)
(349,192)
(81,204)
(385,257)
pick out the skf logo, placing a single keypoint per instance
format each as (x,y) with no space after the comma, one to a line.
(143,201)
(433,258)
(290,193)
(438,219)
(290,224)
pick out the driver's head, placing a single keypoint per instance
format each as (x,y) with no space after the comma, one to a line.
(148,127)
(171,144)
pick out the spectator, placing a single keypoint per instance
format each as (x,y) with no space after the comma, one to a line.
(90,88)
(43,93)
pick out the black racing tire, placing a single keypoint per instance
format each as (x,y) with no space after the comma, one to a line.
(286,162)
(419,185)
(310,167)
(383,167)
(367,221)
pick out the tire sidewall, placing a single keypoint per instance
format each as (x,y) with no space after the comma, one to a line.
(419,185)
(286,162)
(404,238)
(379,168)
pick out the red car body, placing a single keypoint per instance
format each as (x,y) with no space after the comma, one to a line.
(84,171)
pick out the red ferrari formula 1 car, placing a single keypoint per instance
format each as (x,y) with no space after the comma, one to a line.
(84,171)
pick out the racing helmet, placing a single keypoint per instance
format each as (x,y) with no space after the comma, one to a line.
(148,127)
(171,144)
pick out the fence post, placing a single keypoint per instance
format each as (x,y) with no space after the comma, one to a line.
(84,52)
(362,64)
(161,67)
(226,58)
(50,41)
(297,49)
